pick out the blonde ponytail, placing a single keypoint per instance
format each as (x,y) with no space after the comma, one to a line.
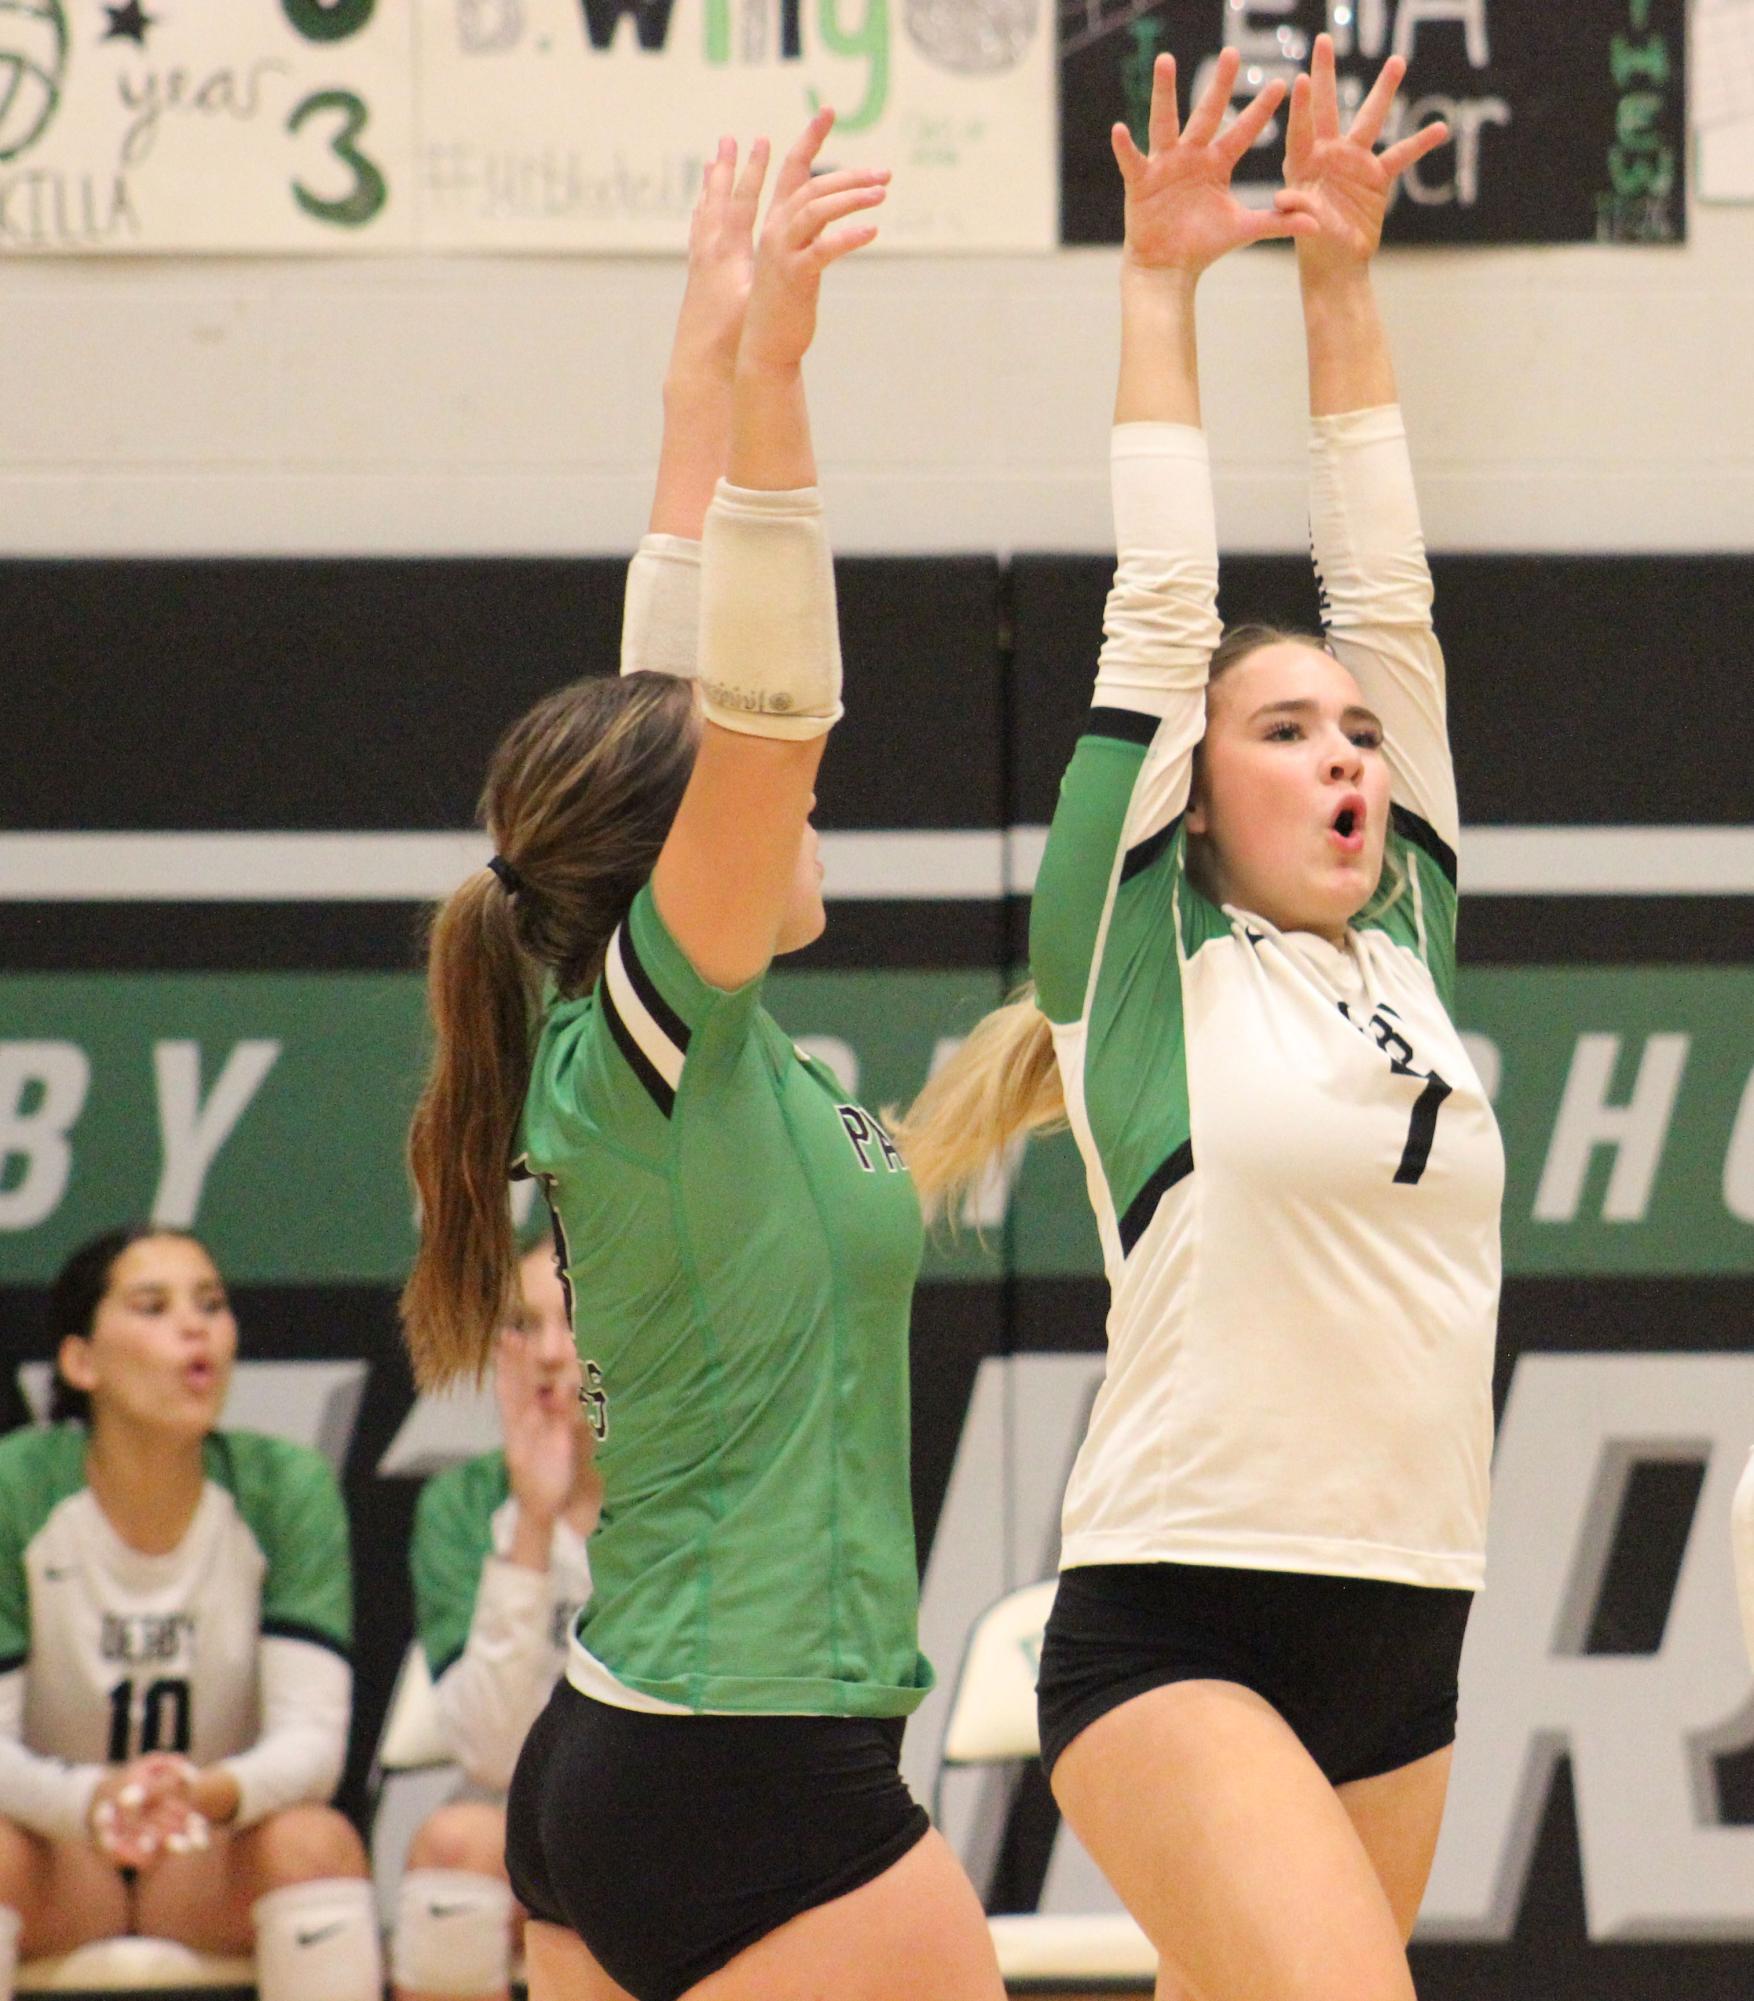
(1000,1086)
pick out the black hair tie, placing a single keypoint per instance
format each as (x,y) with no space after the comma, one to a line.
(507,874)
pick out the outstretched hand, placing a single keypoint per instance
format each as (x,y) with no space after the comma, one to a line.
(721,259)
(1180,212)
(1340,181)
(799,241)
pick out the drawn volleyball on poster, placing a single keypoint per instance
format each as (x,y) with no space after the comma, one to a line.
(972,37)
(33,61)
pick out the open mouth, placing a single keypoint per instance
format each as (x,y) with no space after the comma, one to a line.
(200,1376)
(1347,825)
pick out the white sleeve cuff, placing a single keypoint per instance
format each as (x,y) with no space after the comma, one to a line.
(512,1595)
(660,618)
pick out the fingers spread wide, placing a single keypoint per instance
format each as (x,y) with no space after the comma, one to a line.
(1208,114)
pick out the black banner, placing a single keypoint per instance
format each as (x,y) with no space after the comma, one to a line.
(1568,121)
(1591,695)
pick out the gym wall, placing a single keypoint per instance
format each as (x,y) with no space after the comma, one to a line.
(289,544)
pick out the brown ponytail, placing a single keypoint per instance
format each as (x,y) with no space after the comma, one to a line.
(579,797)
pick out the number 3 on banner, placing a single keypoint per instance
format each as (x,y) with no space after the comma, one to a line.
(370,190)
(328,20)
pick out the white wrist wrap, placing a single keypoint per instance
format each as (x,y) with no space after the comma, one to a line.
(660,617)
(769,641)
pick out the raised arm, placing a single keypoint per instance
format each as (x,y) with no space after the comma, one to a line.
(1129,774)
(1364,515)
(660,625)
(770,650)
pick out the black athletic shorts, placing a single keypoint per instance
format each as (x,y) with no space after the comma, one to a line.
(1363,1670)
(669,1843)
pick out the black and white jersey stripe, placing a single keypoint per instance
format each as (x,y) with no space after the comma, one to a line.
(647,1030)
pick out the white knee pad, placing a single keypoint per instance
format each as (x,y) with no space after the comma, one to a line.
(453,1933)
(10,1925)
(319,1942)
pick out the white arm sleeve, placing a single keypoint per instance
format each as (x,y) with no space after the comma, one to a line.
(46,1795)
(660,616)
(1376,598)
(769,638)
(491,1694)
(307,1698)
(1161,624)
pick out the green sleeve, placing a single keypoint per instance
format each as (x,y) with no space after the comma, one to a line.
(1420,910)
(14,1586)
(453,1538)
(288,1497)
(39,1468)
(652,1038)
(1071,887)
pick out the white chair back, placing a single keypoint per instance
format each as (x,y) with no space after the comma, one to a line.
(992,1714)
(414,1733)
(1742,1531)
(135,1966)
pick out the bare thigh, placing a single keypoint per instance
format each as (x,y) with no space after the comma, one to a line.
(65,1891)
(1398,1817)
(1231,1849)
(916,1933)
(204,1900)
(559,1967)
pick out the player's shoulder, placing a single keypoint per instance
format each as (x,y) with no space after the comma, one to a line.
(40,1466)
(260,1471)
(471,1487)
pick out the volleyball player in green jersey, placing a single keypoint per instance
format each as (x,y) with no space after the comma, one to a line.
(1243,946)
(710,1804)
(175,1620)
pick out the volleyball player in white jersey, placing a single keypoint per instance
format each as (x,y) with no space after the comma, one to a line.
(174,1623)
(500,1572)
(1243,947)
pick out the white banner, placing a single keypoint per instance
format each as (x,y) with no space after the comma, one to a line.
(138,126)
(205,125)
(584,124)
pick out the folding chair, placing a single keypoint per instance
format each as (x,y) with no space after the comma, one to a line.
(113,1966)
(992,1721)
(1742,1534)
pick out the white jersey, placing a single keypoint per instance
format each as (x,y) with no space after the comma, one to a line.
(494,1633)
(231,1648)
(1296,1174)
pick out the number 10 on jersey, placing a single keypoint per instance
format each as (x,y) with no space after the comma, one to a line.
(153,1716)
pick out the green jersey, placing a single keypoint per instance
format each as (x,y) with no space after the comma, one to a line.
(740,1245)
